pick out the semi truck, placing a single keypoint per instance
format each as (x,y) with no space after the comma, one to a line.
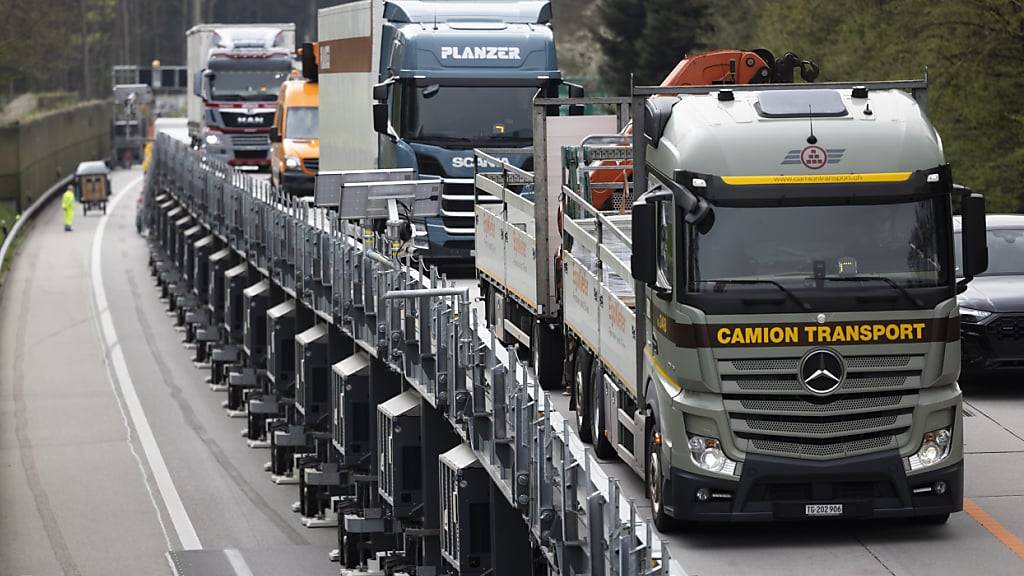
(234,73)
(762,320)
(411,84)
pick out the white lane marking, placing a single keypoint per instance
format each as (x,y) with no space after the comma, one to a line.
(172,500)
(237,562)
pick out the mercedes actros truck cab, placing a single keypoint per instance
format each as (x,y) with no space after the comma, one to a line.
(448,77)
(235,73)
(756,289)
(798,339)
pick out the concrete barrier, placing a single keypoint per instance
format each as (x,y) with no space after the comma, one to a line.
(44,149)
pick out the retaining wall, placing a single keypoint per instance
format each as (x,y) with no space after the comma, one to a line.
(36,153)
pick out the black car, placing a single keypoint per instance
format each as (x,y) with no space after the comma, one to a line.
(992,308)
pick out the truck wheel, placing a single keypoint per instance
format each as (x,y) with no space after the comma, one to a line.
(548,355)
(598,419)
(582,391)
(655,480)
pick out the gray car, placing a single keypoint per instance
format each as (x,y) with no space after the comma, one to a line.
(992,308)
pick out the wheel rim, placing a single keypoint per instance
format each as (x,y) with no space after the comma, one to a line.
(654,479)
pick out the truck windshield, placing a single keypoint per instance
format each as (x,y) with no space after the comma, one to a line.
(1005,252)
(301,123)
(900,245)
(470,114)
(260,85)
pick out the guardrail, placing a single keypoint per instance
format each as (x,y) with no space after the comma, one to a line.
(423,327)
(28,214)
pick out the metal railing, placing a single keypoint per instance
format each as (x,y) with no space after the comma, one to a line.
(425,328)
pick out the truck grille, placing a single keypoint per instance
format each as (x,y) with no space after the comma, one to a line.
(311,164)
(772,413)
(241,120)
(250,141)
(457,205)
(829,450)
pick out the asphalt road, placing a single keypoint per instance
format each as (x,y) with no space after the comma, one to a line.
(79,491)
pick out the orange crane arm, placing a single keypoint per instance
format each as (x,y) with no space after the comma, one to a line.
(718,67)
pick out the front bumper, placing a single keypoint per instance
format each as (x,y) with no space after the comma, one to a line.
(298,183)
(772,488)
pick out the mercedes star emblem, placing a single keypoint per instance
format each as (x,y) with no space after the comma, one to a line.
(822,371)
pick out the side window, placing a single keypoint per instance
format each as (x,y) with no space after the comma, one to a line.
(666,243)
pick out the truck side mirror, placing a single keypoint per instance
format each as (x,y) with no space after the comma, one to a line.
(274,134)
(643,262)
(975,235)
(380,118)
(380,91)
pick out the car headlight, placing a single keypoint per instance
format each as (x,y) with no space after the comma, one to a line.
(973,315)
(292,163)
(212,139)
(707,454)
(935,448)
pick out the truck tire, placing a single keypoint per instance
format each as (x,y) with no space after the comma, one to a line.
(548,355)
(598,419)
(655,483)
(581,390)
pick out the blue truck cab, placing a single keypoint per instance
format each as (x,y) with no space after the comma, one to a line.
(455,76)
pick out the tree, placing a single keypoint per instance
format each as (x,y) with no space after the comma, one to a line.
(620,25)
(672,29)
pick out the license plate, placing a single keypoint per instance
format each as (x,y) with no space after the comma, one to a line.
(823,510)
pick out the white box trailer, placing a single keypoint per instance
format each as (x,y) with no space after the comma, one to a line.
(349,36)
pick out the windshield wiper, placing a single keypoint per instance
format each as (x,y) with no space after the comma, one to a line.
(784,290)
(895,286)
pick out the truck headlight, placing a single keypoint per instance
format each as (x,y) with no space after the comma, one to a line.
(212,139)
(292,163)
(935,448)
(707,454)
(973,315)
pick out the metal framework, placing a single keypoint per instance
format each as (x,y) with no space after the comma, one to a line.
(408,325)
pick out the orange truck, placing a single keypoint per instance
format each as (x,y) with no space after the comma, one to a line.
(294,137)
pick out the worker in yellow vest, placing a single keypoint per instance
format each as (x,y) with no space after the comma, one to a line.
(68,204)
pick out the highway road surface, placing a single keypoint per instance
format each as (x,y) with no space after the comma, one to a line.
(111,445)
(114,452)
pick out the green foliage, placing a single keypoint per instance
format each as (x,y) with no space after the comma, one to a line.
(647,38)
(971,49)
(671,30)
(620,25)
